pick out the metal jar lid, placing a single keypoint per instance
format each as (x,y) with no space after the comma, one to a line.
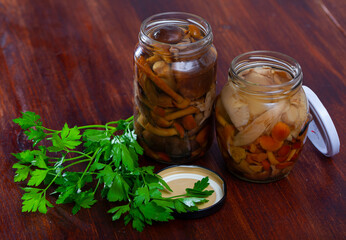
(180,177)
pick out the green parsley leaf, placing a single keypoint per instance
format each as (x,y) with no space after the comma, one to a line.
(28,120)
(83,200)
(22,172)
(119,189)
(126,157)
(199,186)
(119,210)
(142,195)
(152,211)
(68,140)
(36,135)
(34,200)
(37,177)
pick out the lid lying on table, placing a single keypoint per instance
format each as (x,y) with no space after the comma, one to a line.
(321,132)
(180,177)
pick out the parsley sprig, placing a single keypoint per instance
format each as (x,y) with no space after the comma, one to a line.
(110,162)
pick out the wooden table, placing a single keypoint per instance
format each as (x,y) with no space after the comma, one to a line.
(71,61)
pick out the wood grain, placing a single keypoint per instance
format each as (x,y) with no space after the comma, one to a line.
(71,61)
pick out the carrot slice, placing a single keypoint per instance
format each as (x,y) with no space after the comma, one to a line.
(284,165)
(280,131)
(189,122)
(284,150)
(164,157)
(266,165)
(259,157)
(281,159)
(270,144)
(179,129)
(201,137)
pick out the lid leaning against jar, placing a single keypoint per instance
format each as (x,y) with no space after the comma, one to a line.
(322,132)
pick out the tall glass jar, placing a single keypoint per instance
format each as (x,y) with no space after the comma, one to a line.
(174,82)
(262,116)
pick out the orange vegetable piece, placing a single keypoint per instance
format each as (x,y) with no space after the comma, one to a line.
(189,122)
(270,144)
(284,165)
(281,159)
(179,129)
(253,148)
(266,165)
(249,159)
(280,131)
(159,111)
(259,157)
(164,157)
(228,131)
(201,137)
(284,150)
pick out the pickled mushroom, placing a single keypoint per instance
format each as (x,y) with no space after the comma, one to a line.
(297,113)
(258,126)
(206,105)
(162,69)
(235,106)
(265,76)
(168,34)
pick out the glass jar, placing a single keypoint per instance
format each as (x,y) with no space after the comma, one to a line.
(262,116)
(174,83)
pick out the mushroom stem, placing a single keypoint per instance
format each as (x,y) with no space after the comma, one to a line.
(143,64)
(181,113)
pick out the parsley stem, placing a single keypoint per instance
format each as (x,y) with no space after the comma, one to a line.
(56,175)
(81,153)
(178,196)
(97,185)
(116,122)
(81,161)
(91,160)
(50,130)
(75,158)
(94,126)
(66,159)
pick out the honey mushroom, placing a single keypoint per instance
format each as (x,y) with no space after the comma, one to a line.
(180,102)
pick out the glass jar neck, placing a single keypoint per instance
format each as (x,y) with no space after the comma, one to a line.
(176,19)
(275,60)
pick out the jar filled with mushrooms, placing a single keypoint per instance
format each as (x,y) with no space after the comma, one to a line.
(262,116)
(174,82)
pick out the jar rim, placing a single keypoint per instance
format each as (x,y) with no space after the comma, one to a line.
(195,19)
(270,56)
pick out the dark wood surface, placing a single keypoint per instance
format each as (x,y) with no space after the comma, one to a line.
(72,61)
